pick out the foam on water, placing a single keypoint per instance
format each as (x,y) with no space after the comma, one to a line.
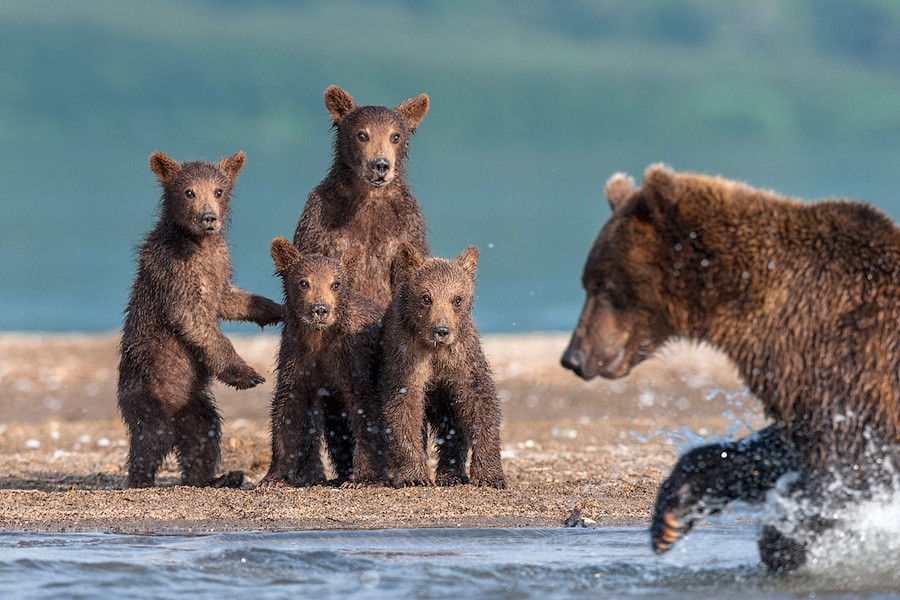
(714,561)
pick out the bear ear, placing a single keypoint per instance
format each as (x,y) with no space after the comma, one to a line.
(232,165)
(339,104)
(661,185)
(349,259)
(406,262)
(285,255)
(164,167)
(468,260)
(413,110)
(619,188)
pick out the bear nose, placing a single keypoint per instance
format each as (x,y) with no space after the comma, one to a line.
(573,360)
(381,166)
(209,218)
(321,310)
(441,332)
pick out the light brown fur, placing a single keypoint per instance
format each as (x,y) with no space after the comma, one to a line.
(433,373)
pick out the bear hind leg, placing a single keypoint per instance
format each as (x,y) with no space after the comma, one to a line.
(199,430)
(151,438)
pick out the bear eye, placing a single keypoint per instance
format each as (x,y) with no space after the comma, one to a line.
(426,299)
(362,136)
(218,193)
(395,138)
(189,193)
(304,284)
(457,301)
(336,286)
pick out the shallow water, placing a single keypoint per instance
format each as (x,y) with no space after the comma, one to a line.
(714,561)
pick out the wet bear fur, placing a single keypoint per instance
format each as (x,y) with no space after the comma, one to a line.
(364,199)
(803,297)
(172,346)
(433,375)
(326,366)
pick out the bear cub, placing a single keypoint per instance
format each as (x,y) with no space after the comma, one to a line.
(326,369)
(364,198)
(172,346)
(433,373)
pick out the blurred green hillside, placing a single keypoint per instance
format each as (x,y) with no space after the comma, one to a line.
(534,105)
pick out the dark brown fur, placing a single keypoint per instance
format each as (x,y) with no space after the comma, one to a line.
(804,298)
(433,372)
(364,198)
(172,345)
(326,366)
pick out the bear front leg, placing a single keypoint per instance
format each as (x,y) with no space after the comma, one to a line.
(339,436)
(450,438)
(403,415)
(295,439)
(200,329)
(241,305)
(707,478)
(480,416)
(369,448)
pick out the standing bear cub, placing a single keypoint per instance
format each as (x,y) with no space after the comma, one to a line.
(364,198)
(804,298)
(433,372)
(172,346)
(326,366)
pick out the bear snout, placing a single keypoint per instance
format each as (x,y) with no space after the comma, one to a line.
(573,360)
(320,311)
(380,167)
(441,333)
(209,219)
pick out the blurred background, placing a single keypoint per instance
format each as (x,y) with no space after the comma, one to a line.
(533,105)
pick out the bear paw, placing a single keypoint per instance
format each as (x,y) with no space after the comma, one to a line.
(231,480)
(447,479)
(240,377)
(498,483)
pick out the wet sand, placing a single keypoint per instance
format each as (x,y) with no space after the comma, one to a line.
(605,444)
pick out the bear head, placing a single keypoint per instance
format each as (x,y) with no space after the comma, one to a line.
(196,193)
(373,141)
(315,286)
(628,313)
(435,295)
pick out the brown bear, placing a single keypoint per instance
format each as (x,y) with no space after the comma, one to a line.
(364,199)
(803,297)
(326,365)
(172,345)
(433,372)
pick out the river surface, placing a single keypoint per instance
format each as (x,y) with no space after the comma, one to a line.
(609,562)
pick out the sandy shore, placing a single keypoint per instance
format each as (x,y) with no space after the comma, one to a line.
(606,444)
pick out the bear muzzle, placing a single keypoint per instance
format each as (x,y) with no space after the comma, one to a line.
(381,172)
(319,315)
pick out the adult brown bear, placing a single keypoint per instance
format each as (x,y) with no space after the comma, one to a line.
(803,297)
